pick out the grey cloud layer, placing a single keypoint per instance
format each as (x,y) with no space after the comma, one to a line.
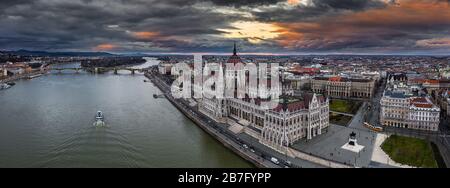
(181,25)
(55,24)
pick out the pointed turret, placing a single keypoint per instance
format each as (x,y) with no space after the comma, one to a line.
(234,58)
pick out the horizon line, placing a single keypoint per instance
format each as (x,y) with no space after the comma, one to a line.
(244,53)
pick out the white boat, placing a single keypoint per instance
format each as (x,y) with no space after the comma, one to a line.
(99,119)
(99,116)
(4,86)
(34,76)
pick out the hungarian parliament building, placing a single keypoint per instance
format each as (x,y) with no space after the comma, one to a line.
(295,117)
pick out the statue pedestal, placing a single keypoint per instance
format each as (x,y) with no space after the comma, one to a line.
(352,144)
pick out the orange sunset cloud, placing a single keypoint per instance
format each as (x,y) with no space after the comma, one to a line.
(434,43)
(105,47)
(376,24)
(145,34)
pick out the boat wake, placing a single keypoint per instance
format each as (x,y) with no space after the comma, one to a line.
(99,124)
(93,147)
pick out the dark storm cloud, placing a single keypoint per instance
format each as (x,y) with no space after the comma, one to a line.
(411,26)
(316,9)
(239,3)
(347,4)
(83,24)
(197,25)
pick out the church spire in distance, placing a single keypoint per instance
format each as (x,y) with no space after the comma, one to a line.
(234,49)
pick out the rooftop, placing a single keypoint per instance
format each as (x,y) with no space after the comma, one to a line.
(296,103)
(395,94)
(422,102)
(342,79)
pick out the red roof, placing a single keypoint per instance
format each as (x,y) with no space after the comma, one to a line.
(335,79)
(304,70)
(432,81)
(417,80)
(421,102)
(423,105)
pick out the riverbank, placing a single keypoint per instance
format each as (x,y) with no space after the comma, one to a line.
(21,76)
(222,138)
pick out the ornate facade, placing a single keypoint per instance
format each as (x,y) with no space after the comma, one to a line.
(294,118)
(292,121)
(343,87)
(401,110)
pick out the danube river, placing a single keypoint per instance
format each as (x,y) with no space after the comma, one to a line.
(48,122)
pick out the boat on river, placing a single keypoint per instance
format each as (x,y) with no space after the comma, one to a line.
(99,119)
(34,76)
(6,85)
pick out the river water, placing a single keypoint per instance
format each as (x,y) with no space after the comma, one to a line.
(48,122)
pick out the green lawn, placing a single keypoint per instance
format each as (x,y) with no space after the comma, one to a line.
(345,106)
(339,119)
(410,151)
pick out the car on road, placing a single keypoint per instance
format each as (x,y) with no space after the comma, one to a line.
(275,160)
(245,146)
(288,163)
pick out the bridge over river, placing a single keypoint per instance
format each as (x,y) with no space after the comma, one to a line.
(97,69)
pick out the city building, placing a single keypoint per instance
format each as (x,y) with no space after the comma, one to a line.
(448,107)
(444,101)
(298,83)
(430,84)
(404,110)
(299,70)
(397,77)
(295,117)
(3,72)
(165,68)
(341,87)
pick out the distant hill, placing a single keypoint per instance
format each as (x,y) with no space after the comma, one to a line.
(134,54)
(58,54)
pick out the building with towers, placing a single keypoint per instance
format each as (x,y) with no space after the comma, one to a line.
(296,117)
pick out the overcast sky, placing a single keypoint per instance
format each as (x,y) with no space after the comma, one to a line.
(263,26)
